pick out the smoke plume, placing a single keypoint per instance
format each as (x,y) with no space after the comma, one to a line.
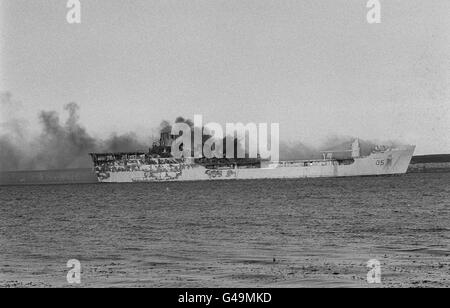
(58,145)
(62,145)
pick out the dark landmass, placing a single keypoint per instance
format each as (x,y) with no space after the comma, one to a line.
(430,163)
(67,176)
(436,158)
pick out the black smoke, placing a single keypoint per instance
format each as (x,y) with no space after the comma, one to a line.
(166,126)
(64,145)
(58,145)
(291,150)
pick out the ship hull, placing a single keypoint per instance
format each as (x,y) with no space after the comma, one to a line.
(393,161)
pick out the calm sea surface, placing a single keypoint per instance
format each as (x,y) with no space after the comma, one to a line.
(263,233)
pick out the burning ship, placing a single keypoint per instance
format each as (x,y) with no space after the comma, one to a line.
(157,165)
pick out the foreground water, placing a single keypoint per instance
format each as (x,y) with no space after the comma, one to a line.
(264,233)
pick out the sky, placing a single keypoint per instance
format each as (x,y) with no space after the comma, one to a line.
(317,68)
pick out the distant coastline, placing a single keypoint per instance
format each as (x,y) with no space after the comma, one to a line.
(435,158)
(430,163)
(39,177)
(419,163)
